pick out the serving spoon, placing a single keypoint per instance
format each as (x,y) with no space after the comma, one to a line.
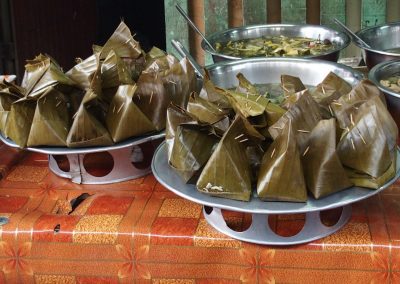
(353,35)
(182,12)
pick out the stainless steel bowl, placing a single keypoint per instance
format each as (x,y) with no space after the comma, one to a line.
(341,40)
(384,42)
(269,70)
(384,70)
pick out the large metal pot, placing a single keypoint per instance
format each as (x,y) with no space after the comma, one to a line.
(269,70)
(384,42)
(384,70)
(341,40)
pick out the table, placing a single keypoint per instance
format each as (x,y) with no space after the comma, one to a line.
(139,232)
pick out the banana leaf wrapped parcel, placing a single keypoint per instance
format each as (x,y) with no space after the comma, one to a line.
(9,93)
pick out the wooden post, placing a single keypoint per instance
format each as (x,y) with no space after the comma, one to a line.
(353,22)
(392,10)
(235,13)
(274,11)
(196,13)
(313,12)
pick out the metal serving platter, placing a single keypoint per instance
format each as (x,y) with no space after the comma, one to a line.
(86,150)
(171,180)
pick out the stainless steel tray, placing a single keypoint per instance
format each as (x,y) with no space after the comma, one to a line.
(259,231)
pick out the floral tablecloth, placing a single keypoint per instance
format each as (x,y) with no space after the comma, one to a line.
(139,232)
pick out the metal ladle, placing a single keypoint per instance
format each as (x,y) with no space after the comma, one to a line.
(182,12)
(353,35)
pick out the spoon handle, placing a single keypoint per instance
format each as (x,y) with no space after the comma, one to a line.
(182,12)
(353,35)
(184,52)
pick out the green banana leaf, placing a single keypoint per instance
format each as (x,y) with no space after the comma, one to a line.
(281,175)
(227,172)
(192,147)
(208,112)
(51,121)
(323,171)
(9,93)
(245,86)
(122,43)
(209,92)
(19,121)
(304,116)
(124,118)
(175,117)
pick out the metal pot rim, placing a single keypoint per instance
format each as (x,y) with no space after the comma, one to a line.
(362,31)
(345,37)
(372,75)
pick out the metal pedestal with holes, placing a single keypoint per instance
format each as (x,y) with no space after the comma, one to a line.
(259,231)
(124,154)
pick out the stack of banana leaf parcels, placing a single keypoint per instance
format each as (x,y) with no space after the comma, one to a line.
(117,93)
(309,143)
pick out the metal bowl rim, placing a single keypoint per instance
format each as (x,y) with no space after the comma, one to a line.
(360,32)
(357,74)
(344,36)
(372,76)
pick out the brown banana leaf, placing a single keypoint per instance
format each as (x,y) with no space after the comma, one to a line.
(331,84)
(191,150)
(292,98)
(19,121)
(82,71)
(281,174)
(152,99)
(245,104)
(364,146)
(245,86)
(43,72)
(51,121)
(122,43)
(175,117)
(210,93)
(124,118)
(323,172)
(208,112)
(179,82)
(88,128)
(161,63)
(291,84)
(6,100)
(136,66)
(304,116)
(346,104)
(227,172)
(115,72)
(368,181)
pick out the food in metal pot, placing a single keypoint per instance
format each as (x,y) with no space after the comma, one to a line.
(275,46)
(392,83)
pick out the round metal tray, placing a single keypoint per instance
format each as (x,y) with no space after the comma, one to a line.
(259,231)
(128,159)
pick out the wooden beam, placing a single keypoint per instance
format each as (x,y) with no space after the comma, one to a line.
(313,12)
(235,13)
(392,10)
(196,14)
(274,11)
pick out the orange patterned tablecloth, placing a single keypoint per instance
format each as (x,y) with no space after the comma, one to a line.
(139,232)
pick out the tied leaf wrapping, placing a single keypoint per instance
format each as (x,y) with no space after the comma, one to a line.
(81,73)
(331,84)
(9,93)
(115,72)
(281,174)
(51,120)
(227,172)
(291,84)
(192,147)
(123,114)
(304,116)
(213,94)
(323,171)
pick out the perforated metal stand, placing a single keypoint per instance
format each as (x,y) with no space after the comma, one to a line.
(260,232)
(123,167)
